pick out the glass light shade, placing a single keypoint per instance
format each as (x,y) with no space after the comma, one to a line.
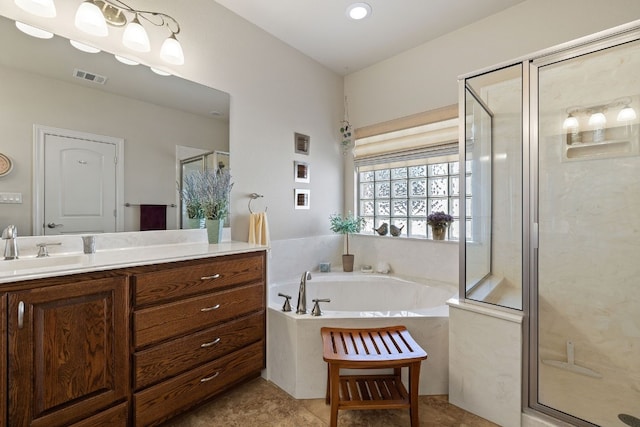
(597,119)
(171,51)
(160,72)
(570,122)
(126,61)
(626,114)
(135,37)
(89,18)
(358,11)
(84,47)
(33,31)
(44,8)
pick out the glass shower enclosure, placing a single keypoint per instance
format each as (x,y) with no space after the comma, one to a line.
(564,227)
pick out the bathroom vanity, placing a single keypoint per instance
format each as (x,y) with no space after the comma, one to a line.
(130,342)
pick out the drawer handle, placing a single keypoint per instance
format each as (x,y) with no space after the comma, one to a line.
(215,307)
(204,380)
(209,344)
(215,276)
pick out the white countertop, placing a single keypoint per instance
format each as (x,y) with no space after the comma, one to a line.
(141,248)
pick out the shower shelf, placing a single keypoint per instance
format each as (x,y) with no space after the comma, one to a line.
(608,148)
(619,141)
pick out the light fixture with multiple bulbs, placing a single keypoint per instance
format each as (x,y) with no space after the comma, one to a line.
(597,119)
(95,16)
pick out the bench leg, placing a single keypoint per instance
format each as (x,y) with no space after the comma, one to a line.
(414,383)
(327,398)
(334,381)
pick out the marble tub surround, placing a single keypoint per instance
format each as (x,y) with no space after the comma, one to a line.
(435,260)
(294,353)
(485,369)
(114,250)
(260,403)
(289,257)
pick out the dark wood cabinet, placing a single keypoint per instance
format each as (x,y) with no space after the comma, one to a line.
(133,346)
(68,351)
(208,336)
(3,359)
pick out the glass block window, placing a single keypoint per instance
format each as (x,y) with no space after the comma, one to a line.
(405,195)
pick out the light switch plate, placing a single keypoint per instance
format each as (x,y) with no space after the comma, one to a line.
(10,197)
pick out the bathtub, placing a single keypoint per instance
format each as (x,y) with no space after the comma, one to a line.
(294,353)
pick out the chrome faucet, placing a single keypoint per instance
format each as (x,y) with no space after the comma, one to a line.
(302,293)
(11,247)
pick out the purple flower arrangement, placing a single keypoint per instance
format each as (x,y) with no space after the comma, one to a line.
(439,219)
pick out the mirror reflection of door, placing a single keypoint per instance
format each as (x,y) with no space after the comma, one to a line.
(79,183)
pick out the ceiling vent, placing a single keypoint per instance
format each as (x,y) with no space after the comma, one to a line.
(86,75)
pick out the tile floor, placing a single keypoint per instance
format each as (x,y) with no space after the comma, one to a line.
(260,403)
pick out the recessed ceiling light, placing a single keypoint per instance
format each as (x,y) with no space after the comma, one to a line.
(358,11)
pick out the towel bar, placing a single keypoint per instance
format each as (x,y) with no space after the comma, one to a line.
(171,205)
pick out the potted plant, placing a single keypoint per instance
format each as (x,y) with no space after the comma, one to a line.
(439,221)
(191,198)
(215,190)
(346,225)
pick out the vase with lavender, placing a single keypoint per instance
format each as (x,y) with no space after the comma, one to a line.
(439,222)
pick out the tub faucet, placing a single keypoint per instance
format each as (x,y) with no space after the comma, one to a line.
(11,247)
(302,293)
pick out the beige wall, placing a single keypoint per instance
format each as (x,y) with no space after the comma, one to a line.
(424,78)
(150,133)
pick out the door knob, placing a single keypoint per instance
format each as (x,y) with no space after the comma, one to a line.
(53,225)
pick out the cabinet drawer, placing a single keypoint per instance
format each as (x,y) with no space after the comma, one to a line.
(163,322)
(174,357)
(214,273)
(160,402)
(112,417)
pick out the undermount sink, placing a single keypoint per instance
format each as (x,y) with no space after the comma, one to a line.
(30,263)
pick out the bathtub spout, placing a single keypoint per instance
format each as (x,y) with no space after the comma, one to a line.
(302,293)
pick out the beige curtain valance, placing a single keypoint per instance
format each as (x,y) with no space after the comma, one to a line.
(429,134)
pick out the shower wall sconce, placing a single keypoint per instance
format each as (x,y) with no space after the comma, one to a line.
(597,120)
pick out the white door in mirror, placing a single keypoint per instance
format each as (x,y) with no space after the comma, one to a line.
(80,183)
(6,165)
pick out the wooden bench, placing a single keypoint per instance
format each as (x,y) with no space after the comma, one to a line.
(390,347)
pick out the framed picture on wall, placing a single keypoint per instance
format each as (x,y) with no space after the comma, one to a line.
(301,171)
(301,143)
(301,198)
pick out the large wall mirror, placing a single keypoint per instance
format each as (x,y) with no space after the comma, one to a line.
(161,119)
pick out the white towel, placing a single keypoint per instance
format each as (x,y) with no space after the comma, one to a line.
(259,229)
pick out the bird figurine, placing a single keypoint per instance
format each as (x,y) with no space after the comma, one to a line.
(383,229)
(395,231)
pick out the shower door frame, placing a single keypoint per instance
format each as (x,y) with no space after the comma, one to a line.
(590,44)
(530,144)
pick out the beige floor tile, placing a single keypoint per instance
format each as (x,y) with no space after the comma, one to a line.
(260,403)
